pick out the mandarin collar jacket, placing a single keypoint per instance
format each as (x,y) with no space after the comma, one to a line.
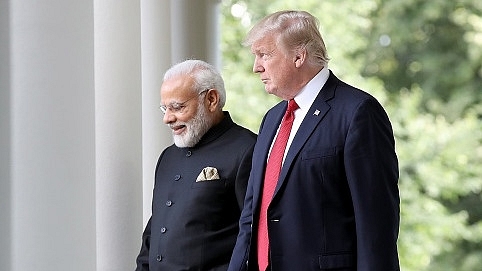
(194,224)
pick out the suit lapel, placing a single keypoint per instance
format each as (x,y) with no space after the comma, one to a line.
(265,138)
(313,117)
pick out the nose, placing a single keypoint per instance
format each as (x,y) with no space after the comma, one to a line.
(257,67)
(168,117)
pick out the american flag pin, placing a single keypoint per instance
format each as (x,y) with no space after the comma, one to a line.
(317,112)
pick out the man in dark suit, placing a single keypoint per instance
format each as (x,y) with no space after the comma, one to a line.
(334,204)
(200,181)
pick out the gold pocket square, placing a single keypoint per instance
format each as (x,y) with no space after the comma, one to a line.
(208,174)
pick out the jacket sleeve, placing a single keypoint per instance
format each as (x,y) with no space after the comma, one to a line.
(372,172)
(240,256)
(142,261)
(241,249)
(242,176)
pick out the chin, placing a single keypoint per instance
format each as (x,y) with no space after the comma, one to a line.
(182,142)
(186,140)
(269,89)
(195,129)
(272,92)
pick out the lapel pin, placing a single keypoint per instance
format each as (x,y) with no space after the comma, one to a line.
(317,112)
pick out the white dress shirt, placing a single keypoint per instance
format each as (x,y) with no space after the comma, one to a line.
(305,99)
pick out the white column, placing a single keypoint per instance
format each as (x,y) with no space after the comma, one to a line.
(80,130)
(156,59)
(195,30)
(118,135)
(52,143)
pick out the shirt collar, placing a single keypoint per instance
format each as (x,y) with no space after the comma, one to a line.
(308,93)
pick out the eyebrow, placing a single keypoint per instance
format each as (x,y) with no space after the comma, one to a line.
(174,104)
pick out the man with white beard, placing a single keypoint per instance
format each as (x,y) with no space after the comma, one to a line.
(200,180)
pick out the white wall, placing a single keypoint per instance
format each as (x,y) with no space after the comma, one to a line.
(80,130)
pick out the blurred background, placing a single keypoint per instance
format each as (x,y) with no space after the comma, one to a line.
(423,61)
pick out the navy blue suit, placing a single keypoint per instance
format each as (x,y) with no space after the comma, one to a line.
(336,204)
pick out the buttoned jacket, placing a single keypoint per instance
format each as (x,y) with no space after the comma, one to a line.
(336,204)
(194,224)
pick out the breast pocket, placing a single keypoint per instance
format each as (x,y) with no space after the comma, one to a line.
(210,184)
(324,164)
(318,153)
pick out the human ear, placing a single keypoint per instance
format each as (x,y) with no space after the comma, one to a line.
(300,58)
(212,97)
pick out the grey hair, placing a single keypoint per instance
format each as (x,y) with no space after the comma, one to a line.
(204,74)
(295,30)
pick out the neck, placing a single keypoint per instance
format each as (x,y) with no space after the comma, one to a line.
(217,117)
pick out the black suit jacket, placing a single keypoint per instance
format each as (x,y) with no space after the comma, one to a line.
(336,204)
(194,224)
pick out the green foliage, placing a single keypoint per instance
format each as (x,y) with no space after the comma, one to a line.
(436,45)
(246,100)
(439,170)
(423,61)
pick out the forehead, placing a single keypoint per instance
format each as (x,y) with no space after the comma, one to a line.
(177,88)
(266,43)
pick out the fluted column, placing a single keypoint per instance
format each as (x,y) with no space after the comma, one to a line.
(80,130)
(195,30)
(156,59)
(52,136)
(118,132)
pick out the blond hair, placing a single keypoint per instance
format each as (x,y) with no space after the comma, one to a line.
(295,30)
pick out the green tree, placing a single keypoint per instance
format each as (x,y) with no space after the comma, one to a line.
(440,187)
(429,53)
(433,45)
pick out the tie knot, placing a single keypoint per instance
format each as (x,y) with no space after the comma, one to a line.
(292,106)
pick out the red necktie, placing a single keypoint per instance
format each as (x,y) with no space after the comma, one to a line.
(273,169)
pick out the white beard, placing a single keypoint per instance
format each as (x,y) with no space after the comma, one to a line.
(195,128)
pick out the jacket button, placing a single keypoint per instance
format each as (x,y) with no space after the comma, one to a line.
(163,229)
(177,177)
(168,203)
(188,153)
(159,258)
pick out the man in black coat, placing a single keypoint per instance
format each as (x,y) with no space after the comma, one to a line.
(200,181)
